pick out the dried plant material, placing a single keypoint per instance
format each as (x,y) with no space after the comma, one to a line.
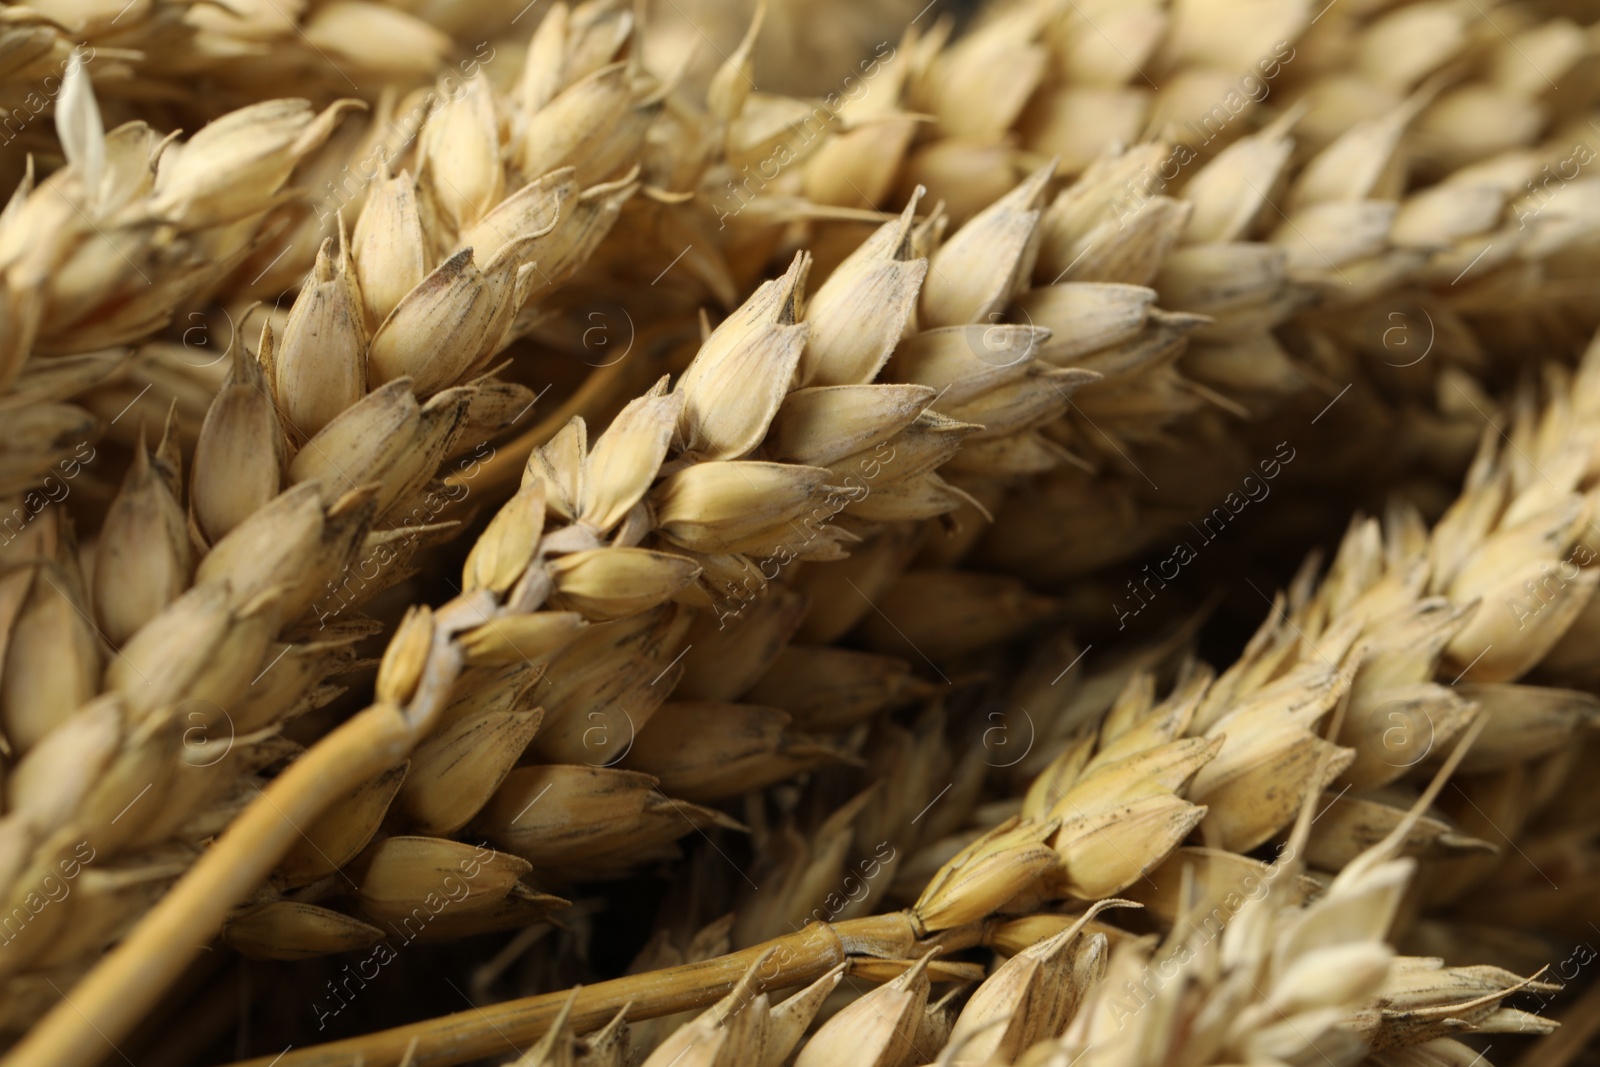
(617,583)
(319,365)
(455,771)
(341,834)
(879,1029)
(239,463)
(986,263)
(1030,998)
(864,307)
(986,874)
(145,559)
(732,506)
(826,689)
(506,548)
(454,318)
(820,426)
(289,930)
(759,346)
(459,150)
(232,167)
(1060,371)
(53,660)
(626,459)
(520,638)
(390,253)
(704,750)
(534,209)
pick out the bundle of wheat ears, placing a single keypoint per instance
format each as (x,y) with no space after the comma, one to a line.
(726,533)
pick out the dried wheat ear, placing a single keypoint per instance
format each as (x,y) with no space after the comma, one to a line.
(639,548)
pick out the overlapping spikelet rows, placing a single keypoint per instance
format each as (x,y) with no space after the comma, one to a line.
(910,368)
